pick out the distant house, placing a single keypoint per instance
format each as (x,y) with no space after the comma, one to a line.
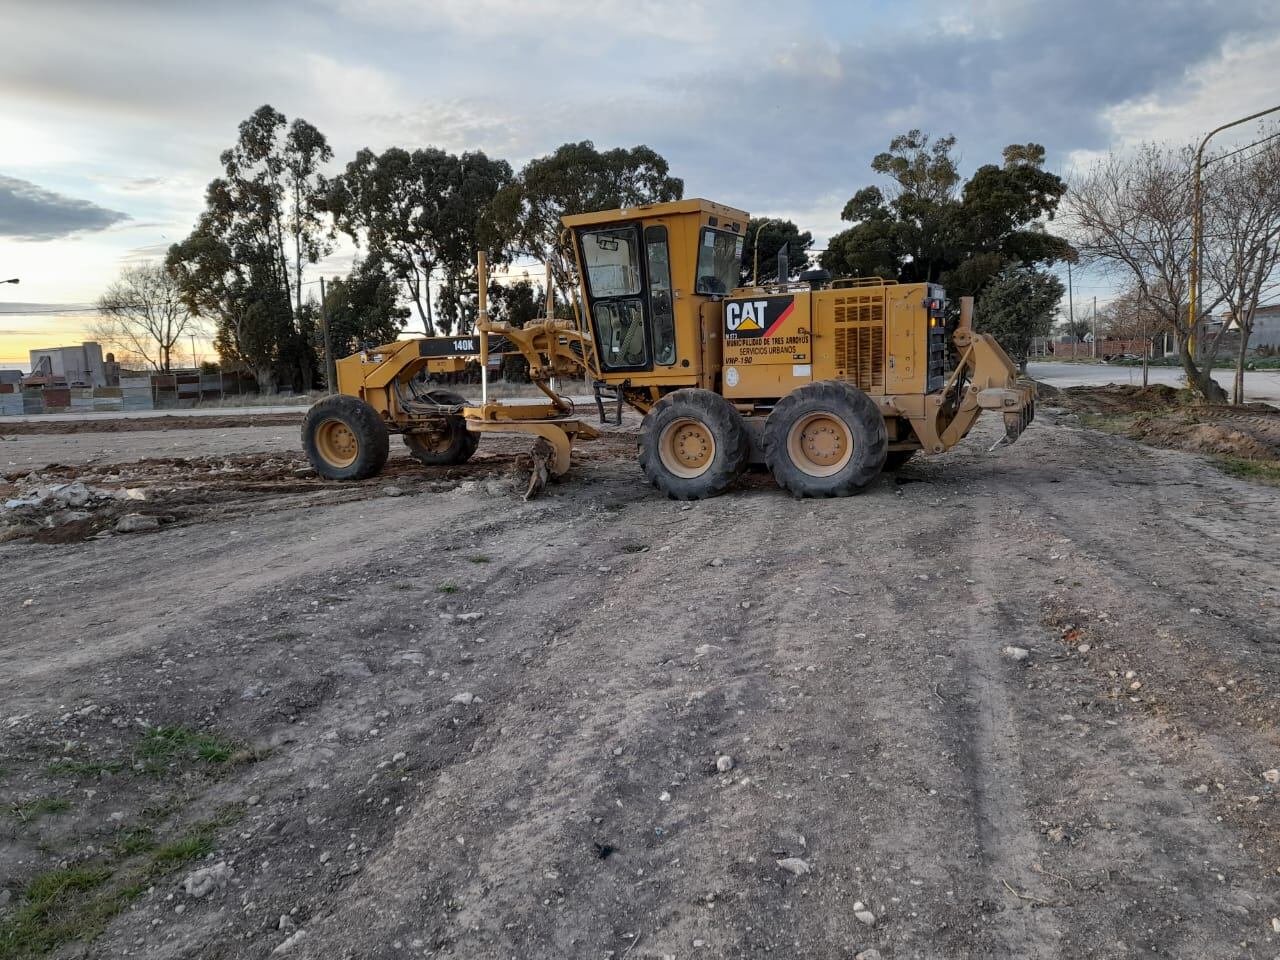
(1265,336)
(1266,328)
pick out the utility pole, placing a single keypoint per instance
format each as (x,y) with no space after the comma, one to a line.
(330,367)
(1197,216)
(1071,303)
(1146,348)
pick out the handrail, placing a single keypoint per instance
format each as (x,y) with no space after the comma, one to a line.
(862,282)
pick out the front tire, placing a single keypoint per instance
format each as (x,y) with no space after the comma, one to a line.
(344,438)
(826,439)
(454,446)
(693,444)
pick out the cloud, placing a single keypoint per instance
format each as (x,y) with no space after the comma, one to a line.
(30,212)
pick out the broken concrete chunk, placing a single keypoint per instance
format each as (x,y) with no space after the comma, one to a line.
(137,523)
(205,881)
(794,865)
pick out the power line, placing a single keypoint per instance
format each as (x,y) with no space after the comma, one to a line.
(1242,149)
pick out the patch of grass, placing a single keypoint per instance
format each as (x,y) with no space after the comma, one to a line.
(39,807)
(1259,471)
(58,907)
(135,841)
(46,888)
(76,904)
(479,558)
(1107,424)
(162,745)
(448,587)
(635,548)
(194,846)
(84,768)
(284,636)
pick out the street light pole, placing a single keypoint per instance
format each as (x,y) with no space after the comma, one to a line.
(755,262)
(1197,216)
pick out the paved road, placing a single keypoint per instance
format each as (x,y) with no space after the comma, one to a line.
(1259,385)
(147,414)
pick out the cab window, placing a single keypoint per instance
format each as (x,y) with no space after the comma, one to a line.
(719,262)
(612,262)
(658,262)
(620,324)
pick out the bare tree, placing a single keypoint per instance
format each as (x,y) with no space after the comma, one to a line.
(1242,219)
(1130,317)
(1132,213)
(142,315)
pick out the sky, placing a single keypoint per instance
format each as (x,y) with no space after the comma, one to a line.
(112,115)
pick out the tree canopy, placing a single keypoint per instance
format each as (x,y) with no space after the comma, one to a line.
(576,178)
(925,226)
(1017,306)
(143,317)
(242,264)
(362,308)
(420,213)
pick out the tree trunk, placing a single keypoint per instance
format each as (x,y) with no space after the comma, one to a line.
(265,375)
(1200,379)
(1237,391)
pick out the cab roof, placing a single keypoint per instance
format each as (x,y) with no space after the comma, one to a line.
(656,210)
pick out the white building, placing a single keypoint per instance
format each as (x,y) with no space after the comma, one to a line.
(81,366)
(1266,327)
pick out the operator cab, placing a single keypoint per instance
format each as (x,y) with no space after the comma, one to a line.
(646,271)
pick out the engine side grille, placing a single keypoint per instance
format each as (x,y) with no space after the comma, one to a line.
(859,340)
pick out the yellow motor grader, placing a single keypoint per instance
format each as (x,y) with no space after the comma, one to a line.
(825,381)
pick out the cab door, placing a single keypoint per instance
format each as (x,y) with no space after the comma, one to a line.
(613,263)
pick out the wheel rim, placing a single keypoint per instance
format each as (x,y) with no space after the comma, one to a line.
(687,447)
(820,444)
(337,443)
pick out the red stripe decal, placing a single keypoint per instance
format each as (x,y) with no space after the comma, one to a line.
(777,323)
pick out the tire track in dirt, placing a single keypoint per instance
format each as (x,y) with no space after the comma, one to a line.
(991,740)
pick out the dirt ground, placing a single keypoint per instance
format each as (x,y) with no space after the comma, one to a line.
(1162,416)
(420,717)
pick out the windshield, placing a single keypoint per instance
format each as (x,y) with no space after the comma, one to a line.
(719,261)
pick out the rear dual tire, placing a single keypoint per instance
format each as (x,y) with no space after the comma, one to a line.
(825,439)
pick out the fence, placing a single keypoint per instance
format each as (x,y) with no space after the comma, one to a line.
(155,392)
(1110,347)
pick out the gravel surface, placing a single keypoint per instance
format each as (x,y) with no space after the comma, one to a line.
(331,723)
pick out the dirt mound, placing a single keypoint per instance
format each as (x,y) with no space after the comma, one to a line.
(1118,399)
(1248,438)
(132,424)
(1046,391)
